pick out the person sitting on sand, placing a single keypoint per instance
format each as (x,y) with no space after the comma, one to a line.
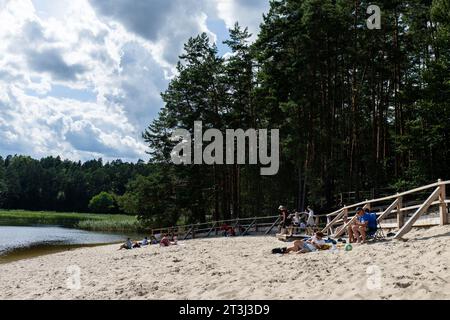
(144,242)
(227,230)
(128,245)
(153,240)
(165,241)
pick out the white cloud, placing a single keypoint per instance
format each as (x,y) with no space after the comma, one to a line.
(247,12)
(82,79)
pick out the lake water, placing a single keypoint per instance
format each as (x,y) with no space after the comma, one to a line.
(18,242)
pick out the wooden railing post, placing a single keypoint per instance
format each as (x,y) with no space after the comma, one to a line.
(329,225)
(442,206)
(408,225)
(273,225)
(400,216)
(212,229)
(345,226)
(387,211)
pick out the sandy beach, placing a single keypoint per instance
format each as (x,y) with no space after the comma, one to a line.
(239,268)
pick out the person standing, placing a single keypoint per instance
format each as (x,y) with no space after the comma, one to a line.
(285,219)
(311,218)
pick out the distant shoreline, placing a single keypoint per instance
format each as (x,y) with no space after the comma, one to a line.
(84,221)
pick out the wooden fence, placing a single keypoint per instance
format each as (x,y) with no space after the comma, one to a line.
(338,221)
(242,227)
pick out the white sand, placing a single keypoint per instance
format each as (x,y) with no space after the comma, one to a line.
(240,268)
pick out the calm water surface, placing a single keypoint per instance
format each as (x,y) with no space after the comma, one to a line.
(18,242)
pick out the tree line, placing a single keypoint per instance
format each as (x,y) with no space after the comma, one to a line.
(357,109)
(53,184)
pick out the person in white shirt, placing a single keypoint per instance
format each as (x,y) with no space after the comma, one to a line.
(315,243)
(296,219)
(310,222)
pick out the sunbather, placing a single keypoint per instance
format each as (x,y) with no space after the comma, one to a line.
(315,243)
(227,231)
(136,245)
(165,241)
(128,245)
(144,242)
(153,240)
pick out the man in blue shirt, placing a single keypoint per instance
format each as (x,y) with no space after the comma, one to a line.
(365,223)
(371,218)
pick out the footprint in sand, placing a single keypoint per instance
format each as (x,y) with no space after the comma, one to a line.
(402,285)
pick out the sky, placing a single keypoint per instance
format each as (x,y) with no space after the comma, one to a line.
(81,79)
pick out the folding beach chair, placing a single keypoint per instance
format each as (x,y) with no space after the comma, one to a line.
(377,234)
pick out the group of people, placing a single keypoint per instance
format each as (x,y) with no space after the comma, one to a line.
(364,224)
(297,220)
(165,241)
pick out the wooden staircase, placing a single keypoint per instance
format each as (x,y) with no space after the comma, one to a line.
(338,221)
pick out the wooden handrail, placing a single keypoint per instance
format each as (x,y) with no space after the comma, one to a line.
(332,222)
(417,214)
(210,226)
(433,185)
(437,197)
(388,210)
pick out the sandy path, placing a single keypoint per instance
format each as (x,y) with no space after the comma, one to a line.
(239,268)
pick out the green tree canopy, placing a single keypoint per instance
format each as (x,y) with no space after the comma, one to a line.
(104,202)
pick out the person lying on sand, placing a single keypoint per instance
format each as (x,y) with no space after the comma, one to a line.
(315,243)
(127,245)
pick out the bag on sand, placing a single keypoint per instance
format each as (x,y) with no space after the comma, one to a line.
(279,250)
